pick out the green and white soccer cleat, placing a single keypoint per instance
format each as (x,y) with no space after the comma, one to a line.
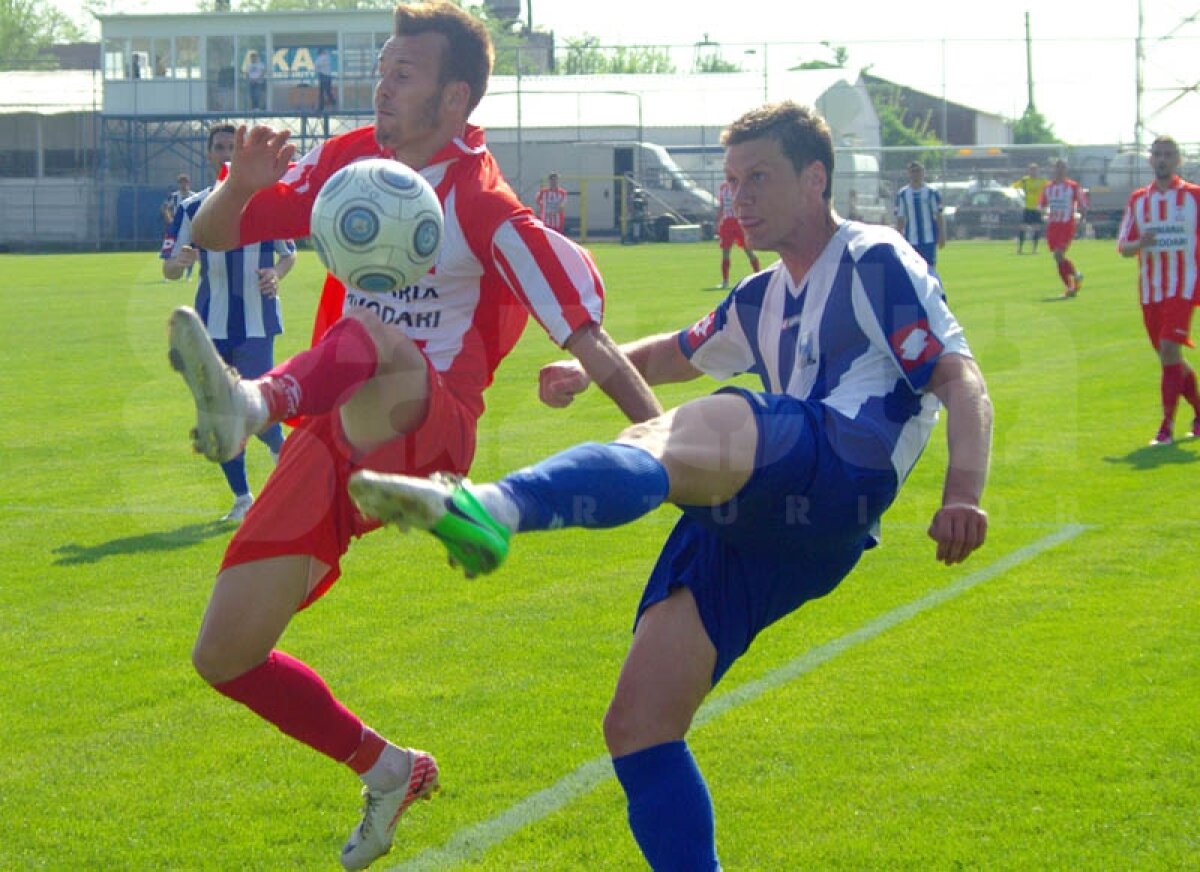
(441,504)
(228,410)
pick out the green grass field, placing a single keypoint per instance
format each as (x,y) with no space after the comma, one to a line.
(1040,712)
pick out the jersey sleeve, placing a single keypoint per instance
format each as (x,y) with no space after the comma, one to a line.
(555,279)
(172,240)
(910,315)
(717,344)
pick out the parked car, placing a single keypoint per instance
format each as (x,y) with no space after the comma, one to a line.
(990,213)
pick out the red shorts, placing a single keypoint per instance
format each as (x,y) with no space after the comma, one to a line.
(1169,319)
(1059,235)
(729,233)
(305,508)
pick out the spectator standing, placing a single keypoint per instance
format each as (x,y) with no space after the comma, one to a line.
(256,77)
(324,67)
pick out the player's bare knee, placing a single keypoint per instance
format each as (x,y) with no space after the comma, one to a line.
(210,663)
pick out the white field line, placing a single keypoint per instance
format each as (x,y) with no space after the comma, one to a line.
(472,842)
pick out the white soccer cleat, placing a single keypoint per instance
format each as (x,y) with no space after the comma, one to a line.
(241,506)
(372,838)
(228,410)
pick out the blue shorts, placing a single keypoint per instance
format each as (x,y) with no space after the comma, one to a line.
(791,534)
(251,357)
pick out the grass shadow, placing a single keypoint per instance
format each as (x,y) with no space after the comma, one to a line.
(168,540)
(1153,456)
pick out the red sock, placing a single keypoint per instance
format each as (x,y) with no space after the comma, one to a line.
(754,263)
(1188,388)
(1172,386)
(724,272)
(1066,272)
(290,695)
(323,377)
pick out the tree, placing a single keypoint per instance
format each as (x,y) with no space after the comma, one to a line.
(585,56)
(715,64)
(841,55)
(1033,129)
(898,127)
(27,28)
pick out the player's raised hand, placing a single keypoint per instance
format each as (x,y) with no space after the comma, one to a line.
(261,155)
(559,382)
(959,529)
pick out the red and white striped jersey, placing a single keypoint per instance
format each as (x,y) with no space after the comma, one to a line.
(725,198)
(1168,268)
(551,203)
(1062,200)
(497,265)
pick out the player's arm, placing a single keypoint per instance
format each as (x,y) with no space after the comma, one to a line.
(603,362)
(960,526)
(174,267)
(260,158)
(658,359)
(1131,240)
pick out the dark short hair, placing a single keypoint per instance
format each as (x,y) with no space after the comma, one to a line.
(915,165)
(221,127)
(802,134)
(1165,140)
(468,54)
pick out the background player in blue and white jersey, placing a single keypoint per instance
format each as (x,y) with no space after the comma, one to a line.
(238,299)
(919,215)
(781,489)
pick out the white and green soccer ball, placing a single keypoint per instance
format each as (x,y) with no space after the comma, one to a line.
(377,225)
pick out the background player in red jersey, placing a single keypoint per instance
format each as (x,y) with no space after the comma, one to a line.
(1063,200)
(729,233)
(1162,227)
(403,395)
(552,204)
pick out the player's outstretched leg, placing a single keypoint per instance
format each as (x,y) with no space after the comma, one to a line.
(441,504)
(382,810)
(589,485)
(228,410)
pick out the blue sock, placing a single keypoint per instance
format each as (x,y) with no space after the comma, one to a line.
(590,485)
(235,474)
(273,437)
(670,809)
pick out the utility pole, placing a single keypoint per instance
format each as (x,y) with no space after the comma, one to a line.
(1029,107)
(1139,62)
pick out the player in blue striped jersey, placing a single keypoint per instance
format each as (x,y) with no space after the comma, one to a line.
(781,489)
(919,215)
(238,299)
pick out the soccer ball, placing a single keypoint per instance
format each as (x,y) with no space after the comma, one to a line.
(377,225)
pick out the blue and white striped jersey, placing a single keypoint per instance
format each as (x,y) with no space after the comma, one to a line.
(859,333)
(228,299)
(919,207)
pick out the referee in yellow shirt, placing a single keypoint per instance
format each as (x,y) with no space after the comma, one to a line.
(1031,221)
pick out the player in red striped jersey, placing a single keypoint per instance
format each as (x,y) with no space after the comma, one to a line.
(551,202)
(396,384)
(729,233)
(1162,227)
(1063,200)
